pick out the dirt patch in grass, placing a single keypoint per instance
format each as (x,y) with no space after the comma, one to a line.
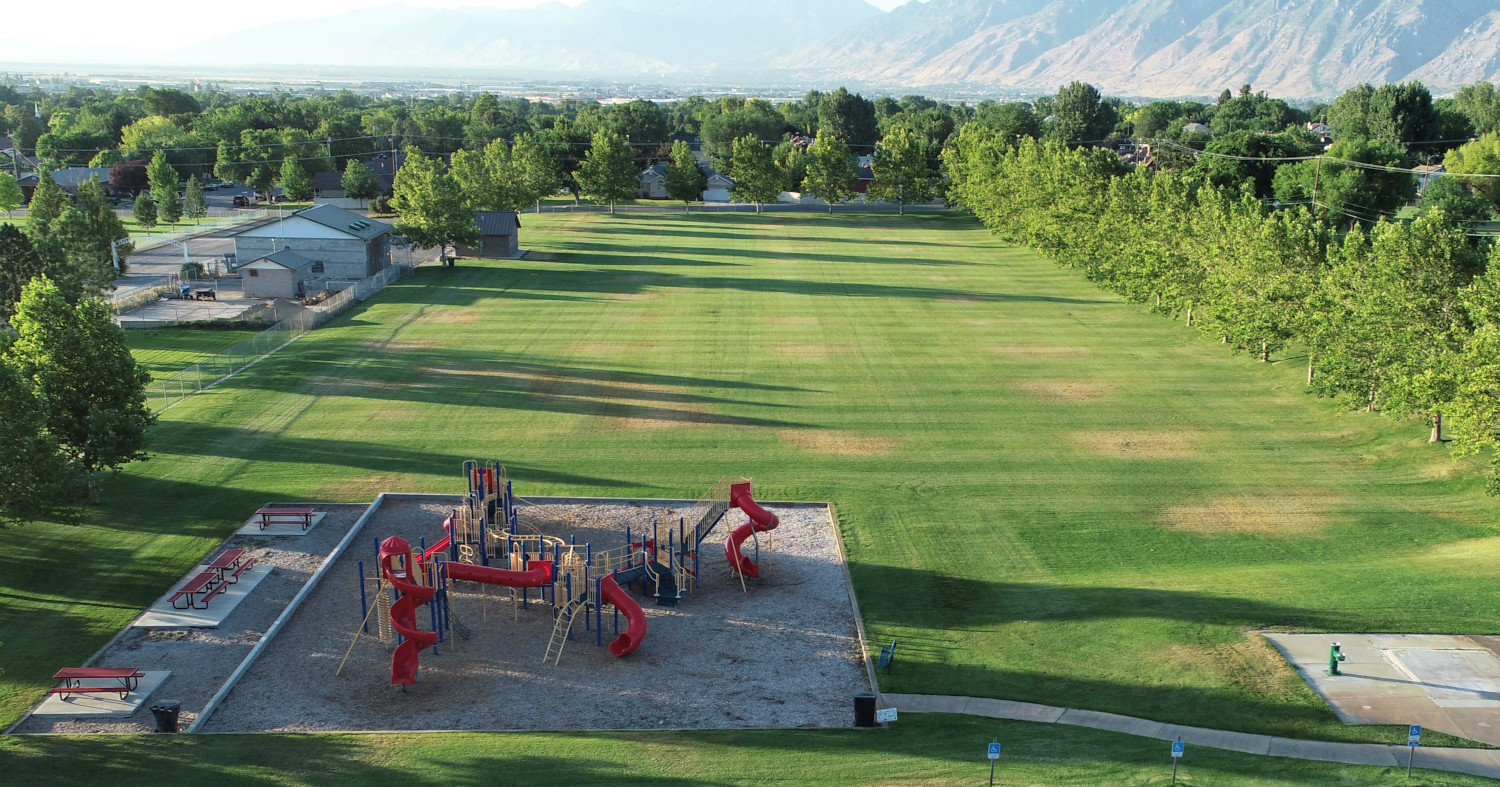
(942,279)
(451,316)
(1139,444)
(378,344)
(643,295)
(612,348)
(836,442)
(1251,663)
(809,350)
(1276,514)
(1065,390)
(1041,351)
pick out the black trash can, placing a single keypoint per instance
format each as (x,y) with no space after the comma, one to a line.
(864,709)
(167,712)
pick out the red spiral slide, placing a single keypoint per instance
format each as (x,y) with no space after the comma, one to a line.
(404,611)
(635,618)
(761,520)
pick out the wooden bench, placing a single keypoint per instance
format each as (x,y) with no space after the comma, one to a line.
(72,678)
(274,516)
(202,587)
(230,564)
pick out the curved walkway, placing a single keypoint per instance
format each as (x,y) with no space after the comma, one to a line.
(1476,762)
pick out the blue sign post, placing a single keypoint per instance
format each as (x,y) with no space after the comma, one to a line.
(1413,739)
(1177,749)
(994,755)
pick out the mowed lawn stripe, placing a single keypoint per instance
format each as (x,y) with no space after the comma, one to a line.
(1046,494)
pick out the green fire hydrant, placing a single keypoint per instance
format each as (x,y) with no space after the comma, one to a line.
(1335,655)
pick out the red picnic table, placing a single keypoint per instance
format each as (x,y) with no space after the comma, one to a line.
(230,564)
(198,590)
(73,677)
(273,516)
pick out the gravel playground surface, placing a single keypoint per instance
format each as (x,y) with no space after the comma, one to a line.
(784,654)
(201,659)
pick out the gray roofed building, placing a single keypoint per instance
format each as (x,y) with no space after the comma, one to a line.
(71,178)
(499,235)
(281,274)
(348,245)
(337,218)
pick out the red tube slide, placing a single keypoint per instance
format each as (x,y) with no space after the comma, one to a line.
(761,520)
(404,611)
(635,618)
(537,574)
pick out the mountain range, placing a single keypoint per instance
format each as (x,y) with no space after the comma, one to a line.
(1157,48)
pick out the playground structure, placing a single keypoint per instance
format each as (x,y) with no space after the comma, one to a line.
(486,543)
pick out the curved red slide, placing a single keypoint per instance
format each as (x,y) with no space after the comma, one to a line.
(404,611)
(761,520)
(635,617)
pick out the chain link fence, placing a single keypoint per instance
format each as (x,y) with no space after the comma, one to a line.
(169,390)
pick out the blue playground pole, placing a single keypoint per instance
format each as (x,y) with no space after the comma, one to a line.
(599,610)
(568,588)
(586,620)
(364,609)
(525,565)
(484,554)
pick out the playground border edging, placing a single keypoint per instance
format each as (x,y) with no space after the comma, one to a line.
(859,623)
(286,615)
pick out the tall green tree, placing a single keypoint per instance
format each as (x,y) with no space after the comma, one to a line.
(430,207)
(33,475)
(296,183)
(359,182)
(261,179)
(684,180)
(830,170)
(902,174)
(104,224)
(89,389)
(19,264)
(481,175)
(756,177)
(194,201)
(534,174)
(81,266)
(1480,102)
(1079,114)
(47,203)
(144,210)
(11,195)
(848,118)
(164,179)
(608,171)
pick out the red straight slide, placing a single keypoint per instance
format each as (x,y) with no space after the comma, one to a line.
(404,611)
(537,574)
(761,520)
(635,618)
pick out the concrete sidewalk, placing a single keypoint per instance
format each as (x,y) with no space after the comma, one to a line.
(1475,762)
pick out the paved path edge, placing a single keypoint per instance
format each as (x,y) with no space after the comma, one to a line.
(1475,762)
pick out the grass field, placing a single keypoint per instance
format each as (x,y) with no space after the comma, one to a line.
(923,750)
(1046,494)
(163,351)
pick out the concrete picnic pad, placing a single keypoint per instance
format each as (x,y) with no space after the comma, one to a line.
(109,705)
(252,527)
(163,615)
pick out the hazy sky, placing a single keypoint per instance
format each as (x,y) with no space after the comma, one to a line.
(173,23)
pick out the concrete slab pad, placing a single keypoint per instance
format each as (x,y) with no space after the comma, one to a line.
(1109,721)
(1476,762)
(1009,709)
(1427,641)
(102,705)
(1453,678)
(1348,753)
(163,615)
(925,703)
(252,527)
(1217,739)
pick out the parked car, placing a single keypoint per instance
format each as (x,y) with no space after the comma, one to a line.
(210,187)
(241,201)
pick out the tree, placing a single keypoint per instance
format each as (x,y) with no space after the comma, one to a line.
(194,201)
(684,180)
(1457,201)
(480,175)
(1349,116)
(47,203)
(848,118)
(430,208)
(260,180)
(359,182)
(1079,114)
(104,224)
(901,171)
(608,171)
(1345,193)
(830,170)
(91,394)
(1009,121)
(19,264)
(756,177)
(534,175)
(33,476)
(296,184)
(720,131)
(144,210)
(11,195)
(163,179)
(1480,102)
(1480,157)
(76,260)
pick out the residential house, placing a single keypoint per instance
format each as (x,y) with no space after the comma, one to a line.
(499,236)
(1320,130)
(328,187)
(1194,129)
(70,178)
(864,174)
(716,186)
(347,245)
(1426,174)
(654,182)
(281,274)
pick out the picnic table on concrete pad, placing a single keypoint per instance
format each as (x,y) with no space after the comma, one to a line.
(199,590)
(230,564)
(73,677)
(272,516)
